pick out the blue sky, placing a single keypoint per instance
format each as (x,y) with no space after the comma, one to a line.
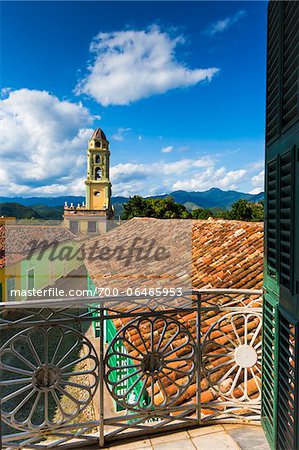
(178,87)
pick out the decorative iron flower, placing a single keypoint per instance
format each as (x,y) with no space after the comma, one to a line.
(150,363)
(49,375)
(231,357)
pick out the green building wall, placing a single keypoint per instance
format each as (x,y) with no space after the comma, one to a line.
(47,271)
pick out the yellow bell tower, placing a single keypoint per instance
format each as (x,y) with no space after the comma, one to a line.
(98,186)
(91,217)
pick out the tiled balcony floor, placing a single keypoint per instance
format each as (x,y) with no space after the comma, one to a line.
(216,437)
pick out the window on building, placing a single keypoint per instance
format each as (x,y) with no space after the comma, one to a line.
(30,279)
(11,286)
(98,173)
(92,227)
(74,226)
(98,159)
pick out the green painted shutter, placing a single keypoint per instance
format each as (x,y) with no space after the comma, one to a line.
(117,360)
(280,400)
(272,222)
(273,68)
(123,372)
(288,399)
(286,219)
(269,387)
(290,110)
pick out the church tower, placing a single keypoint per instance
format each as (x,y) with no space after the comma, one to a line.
(91,217)
(98,186)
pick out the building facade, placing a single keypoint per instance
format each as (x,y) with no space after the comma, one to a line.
(34,257)
(92,216)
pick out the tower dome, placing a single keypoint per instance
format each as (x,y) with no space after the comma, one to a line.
(99,135)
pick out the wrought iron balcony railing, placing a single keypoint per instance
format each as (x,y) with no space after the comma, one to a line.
(146,364)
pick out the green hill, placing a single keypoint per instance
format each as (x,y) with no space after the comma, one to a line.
(49,212)
(42,212)
(191,206)
(52,207)
(19,211)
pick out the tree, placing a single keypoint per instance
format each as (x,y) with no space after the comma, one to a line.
(202,213)
(258,213)
(167,208)
(241,210)
(225,215)
(135,207)
(159,208)
(247,211)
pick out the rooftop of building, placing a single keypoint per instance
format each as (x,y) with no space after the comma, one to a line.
(220,254)
(99,135)
(16,241)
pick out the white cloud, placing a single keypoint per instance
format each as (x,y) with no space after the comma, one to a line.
(224,24)
(167,149)
(44,154)
(162,177)
(120,134)
(43,143)
(130,65)
(257,165)
(258,183)
(170,149)
(212,177)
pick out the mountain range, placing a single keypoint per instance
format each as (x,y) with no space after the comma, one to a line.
(52,207)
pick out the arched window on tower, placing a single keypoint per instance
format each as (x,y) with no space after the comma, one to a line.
(98,173)
(98,158)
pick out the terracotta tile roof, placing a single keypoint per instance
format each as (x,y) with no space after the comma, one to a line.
(17,240)
(4,258)
(115,264)
(208,253)
(2,243)
(227,254)
(223,254)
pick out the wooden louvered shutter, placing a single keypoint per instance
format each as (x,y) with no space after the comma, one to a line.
(269,375)
(273,68)
(286,219)
(282,68)
(290,63)
(272,222)
(280,379)
(288,393)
